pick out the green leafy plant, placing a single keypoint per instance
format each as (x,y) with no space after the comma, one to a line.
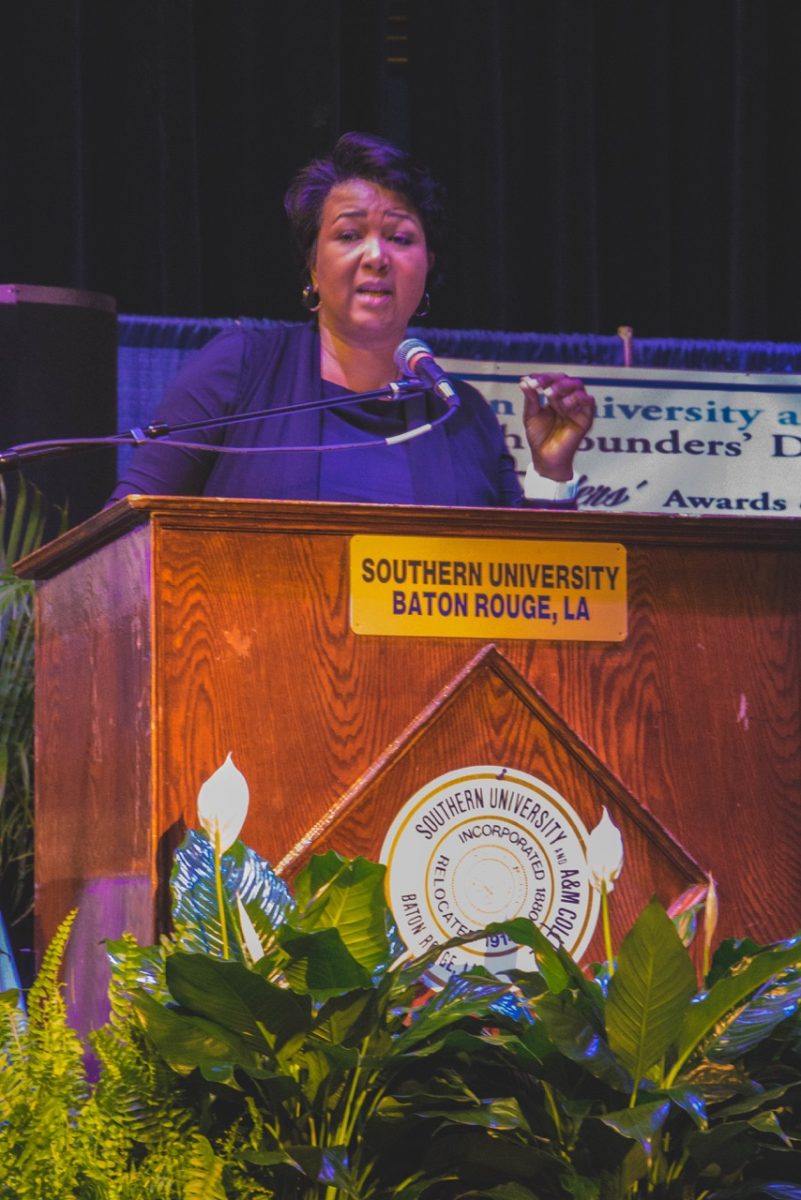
(41,1082)
(701,1088)
(281,1045)
(134,1135)
(341,1084)
(321,1073)
(22,528)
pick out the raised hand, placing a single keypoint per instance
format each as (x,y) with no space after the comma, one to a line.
(558,414)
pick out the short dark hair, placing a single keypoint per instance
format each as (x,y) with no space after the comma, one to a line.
(363,156)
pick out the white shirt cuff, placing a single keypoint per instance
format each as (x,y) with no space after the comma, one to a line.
(536,487)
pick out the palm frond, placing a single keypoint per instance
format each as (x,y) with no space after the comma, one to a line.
(22,529)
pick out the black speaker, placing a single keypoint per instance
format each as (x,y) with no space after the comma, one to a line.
(58,378)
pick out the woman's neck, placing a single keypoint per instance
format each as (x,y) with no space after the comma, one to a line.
(357,367)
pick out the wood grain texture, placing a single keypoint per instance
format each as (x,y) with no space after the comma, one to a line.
(504,721)
(244,608)
(94,828)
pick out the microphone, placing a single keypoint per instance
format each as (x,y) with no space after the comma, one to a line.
(415,358)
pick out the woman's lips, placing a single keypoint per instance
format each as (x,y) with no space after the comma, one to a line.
(374,295)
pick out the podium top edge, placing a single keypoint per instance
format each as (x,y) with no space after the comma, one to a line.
(206,514)
(26,293)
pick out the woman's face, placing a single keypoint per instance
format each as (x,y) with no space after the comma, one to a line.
(369,264)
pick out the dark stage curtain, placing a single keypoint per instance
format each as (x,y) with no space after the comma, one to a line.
(607,162)
(616,162)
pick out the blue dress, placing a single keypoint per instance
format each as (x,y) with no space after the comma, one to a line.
(464,462)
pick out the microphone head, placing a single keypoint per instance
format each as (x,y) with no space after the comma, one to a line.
(407,352)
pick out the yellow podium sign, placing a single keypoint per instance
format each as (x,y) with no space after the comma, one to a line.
(487,588)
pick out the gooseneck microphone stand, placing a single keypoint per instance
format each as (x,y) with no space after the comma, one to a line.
(172,435)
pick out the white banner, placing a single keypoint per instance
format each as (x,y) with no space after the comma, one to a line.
(669,441)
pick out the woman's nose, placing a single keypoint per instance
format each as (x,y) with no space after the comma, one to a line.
(375,252)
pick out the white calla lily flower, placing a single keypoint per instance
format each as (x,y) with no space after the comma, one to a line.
(604,853)
(249,935)
(222,805)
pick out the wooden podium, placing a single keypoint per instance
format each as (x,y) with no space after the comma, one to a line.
(172,631)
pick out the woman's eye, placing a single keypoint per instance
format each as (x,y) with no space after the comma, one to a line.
(402,239)
(347,235)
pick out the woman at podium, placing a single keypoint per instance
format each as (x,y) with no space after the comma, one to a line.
(367,221)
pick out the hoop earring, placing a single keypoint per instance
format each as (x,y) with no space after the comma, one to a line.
(310,298)
(424,307)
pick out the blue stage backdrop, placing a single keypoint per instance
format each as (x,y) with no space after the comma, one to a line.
(644,467)
(151,349)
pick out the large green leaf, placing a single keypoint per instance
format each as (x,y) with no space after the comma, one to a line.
(455,1002)
(729,991)
(641,1123)
(558,968)
(758,1099)
(572,1034)
(187,1042)
(649,992)
(484,1047)
(320,963)
(348,1018)
(503,1113)
(195,905)
(732,951)
(718,1082)
(746,1027)
(349,897)
(263,893)
(328,1166)
(312,1069)
(525,933)
(320,870)
(261,1013)
(622,1182)
(445,1096)
(768,1122)
(549,964)
(689,1099)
